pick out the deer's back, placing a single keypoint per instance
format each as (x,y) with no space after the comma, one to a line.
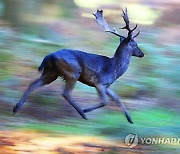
(86,67)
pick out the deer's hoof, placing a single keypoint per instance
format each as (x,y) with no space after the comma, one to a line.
(15,109)
(84,116)
(130,120)
(128,117)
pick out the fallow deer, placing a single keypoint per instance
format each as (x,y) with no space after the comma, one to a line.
(93,70)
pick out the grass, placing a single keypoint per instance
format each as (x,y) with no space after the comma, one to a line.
(148,123)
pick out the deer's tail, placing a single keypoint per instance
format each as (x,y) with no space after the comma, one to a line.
(41,67)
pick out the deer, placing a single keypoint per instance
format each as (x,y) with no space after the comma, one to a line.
(94,70)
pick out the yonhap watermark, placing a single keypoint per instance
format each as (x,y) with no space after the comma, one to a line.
(132,140)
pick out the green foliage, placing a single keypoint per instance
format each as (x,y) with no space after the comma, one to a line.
(128,88)
(5,58)
(147,123)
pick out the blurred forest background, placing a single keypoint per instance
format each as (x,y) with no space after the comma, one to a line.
(47,123)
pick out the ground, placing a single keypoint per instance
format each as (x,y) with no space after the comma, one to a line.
(22,142)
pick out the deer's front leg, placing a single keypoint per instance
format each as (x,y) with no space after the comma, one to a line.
(67,91)
(104,101)
(117,99)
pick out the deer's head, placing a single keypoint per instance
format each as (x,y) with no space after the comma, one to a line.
(128,41)
(132,47)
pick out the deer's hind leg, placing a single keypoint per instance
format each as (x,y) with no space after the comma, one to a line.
(47,77)
(70,83)
(70,70)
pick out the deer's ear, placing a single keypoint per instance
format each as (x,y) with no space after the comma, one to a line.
(121,39)
(129,38)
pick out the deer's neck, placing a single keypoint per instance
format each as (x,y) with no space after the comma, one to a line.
(121,60)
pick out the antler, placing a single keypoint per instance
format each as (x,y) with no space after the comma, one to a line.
(126,20)
(102,22)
